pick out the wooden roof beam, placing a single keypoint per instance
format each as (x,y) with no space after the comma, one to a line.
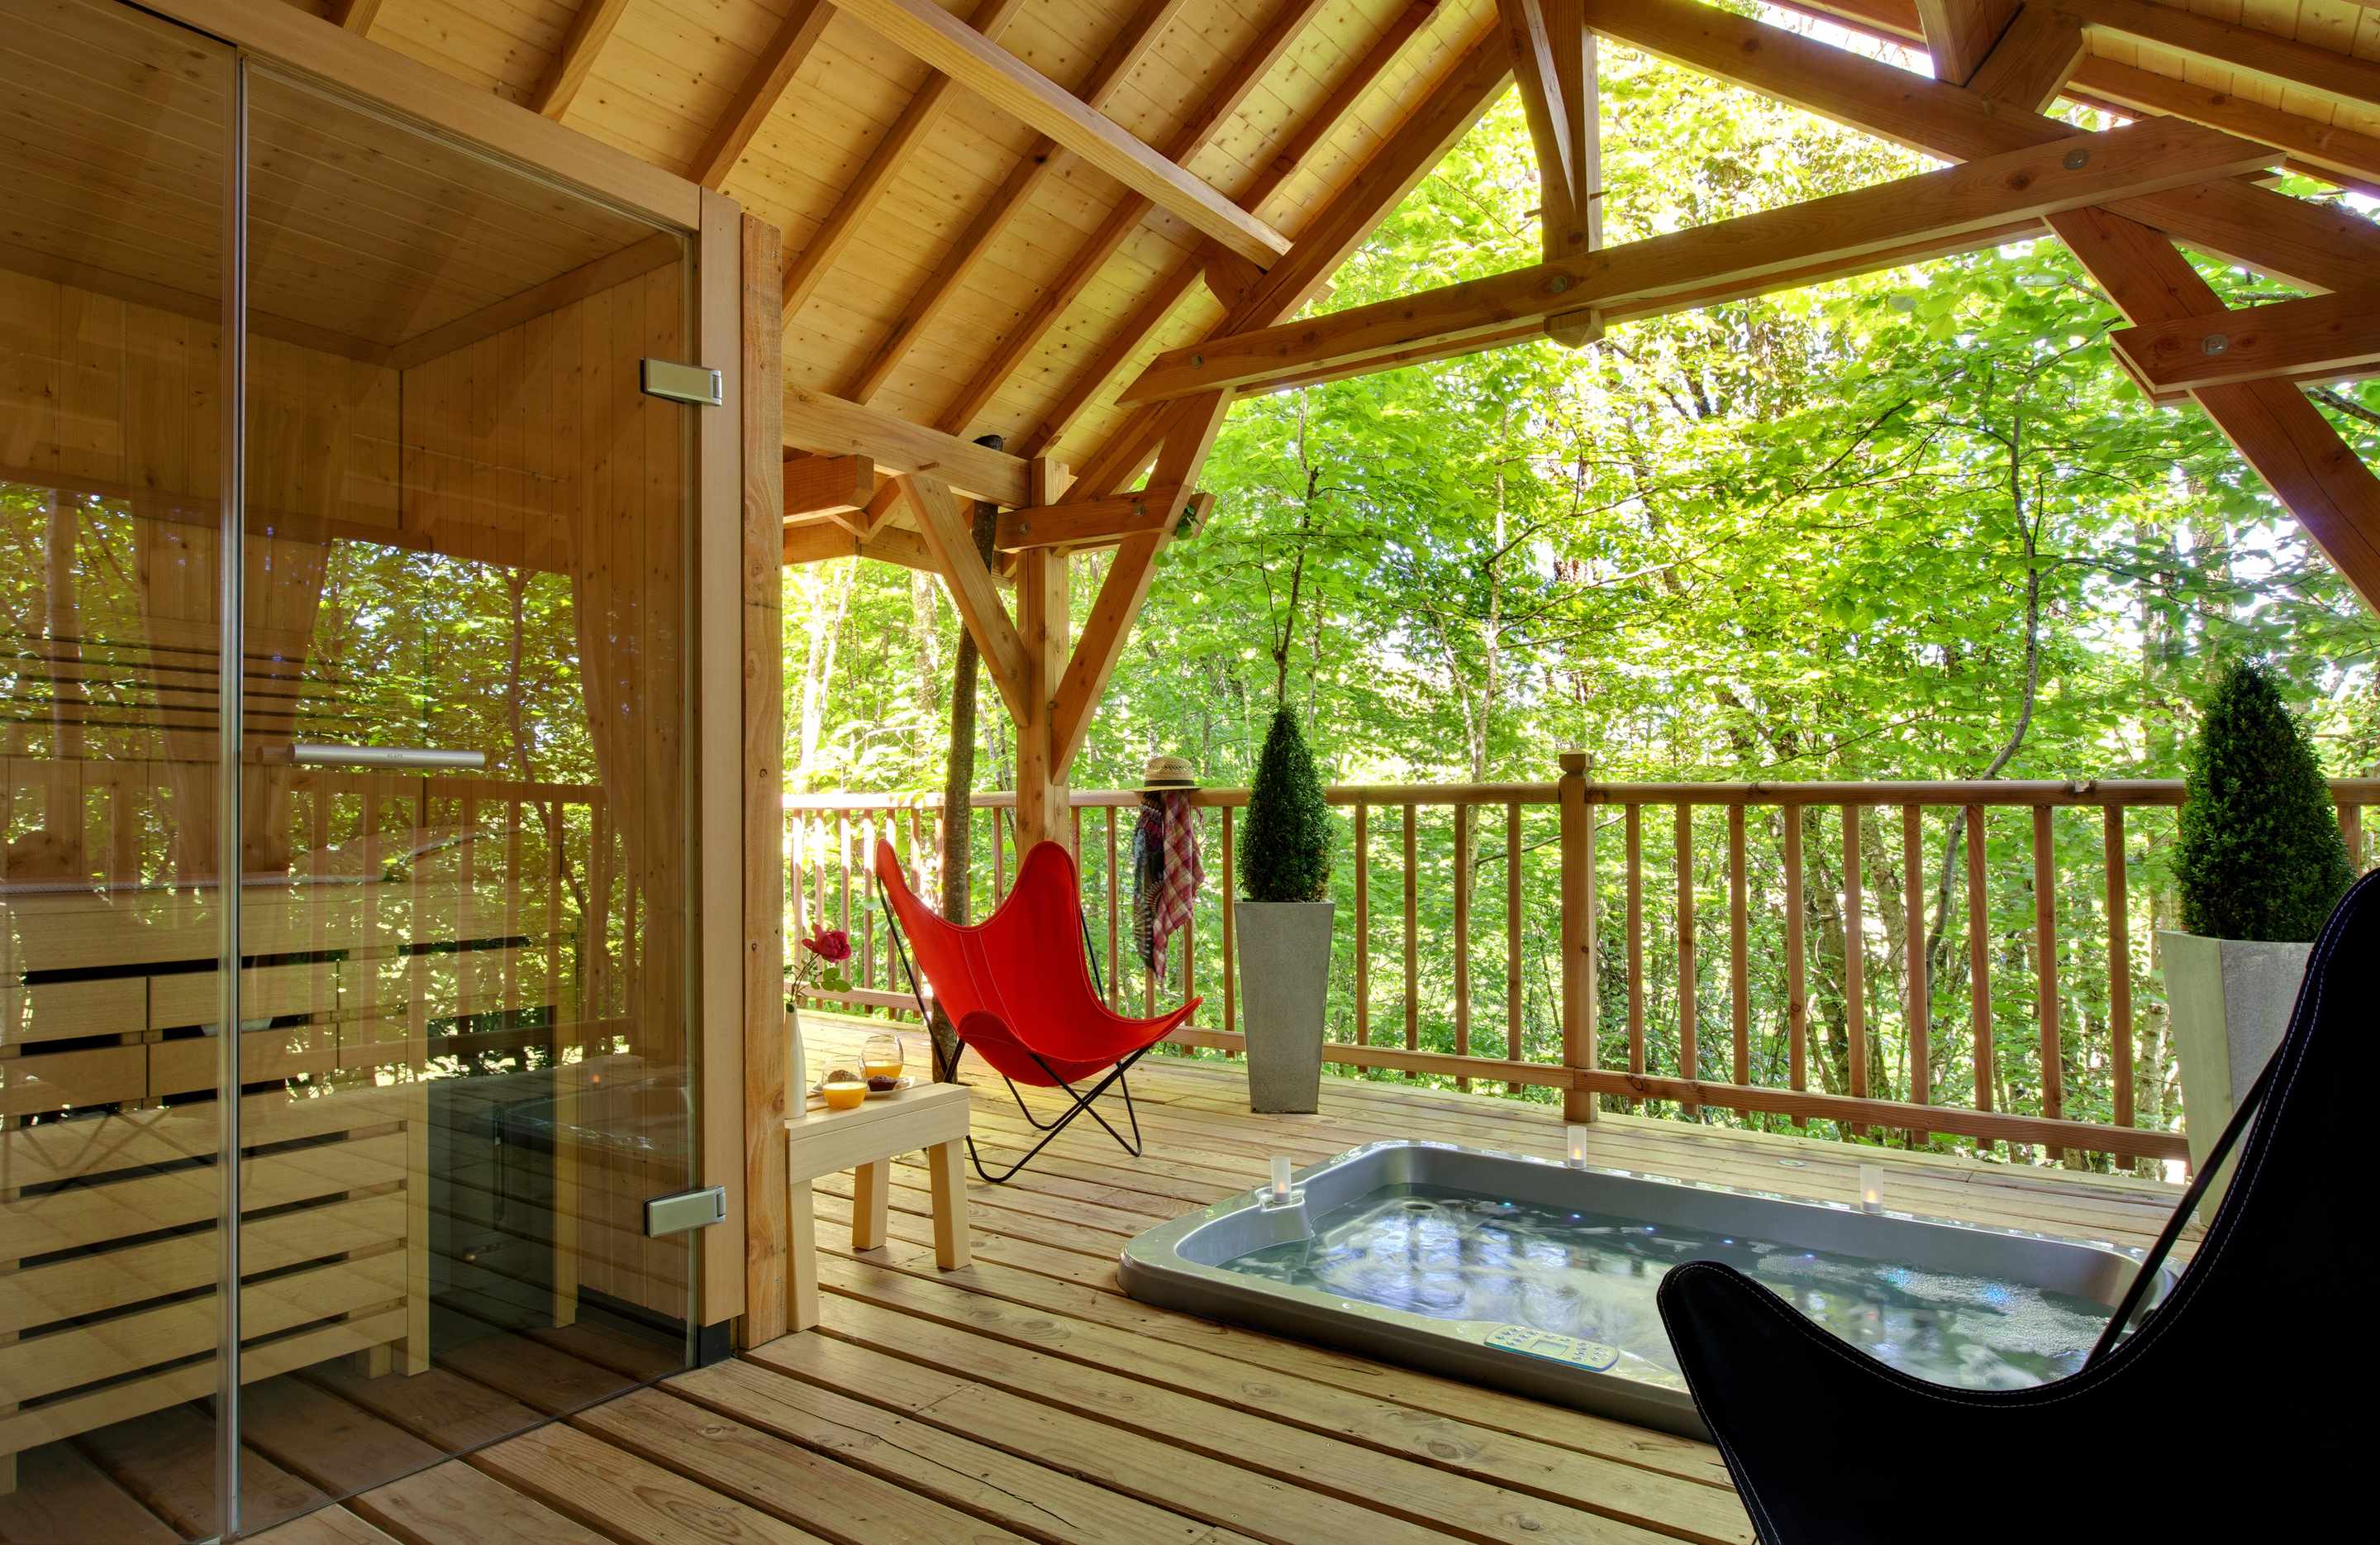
(1099,521)
(2339,77)
(780,58)
(1960,34)
(826,425)
(974,591)
(817,542)
(2320,337)
(1219,103)
(1553,60)
(828,485)
(883,164)
(2296,239)
(2035,58)
(1844,231)
(589,30)
(1041,161)
(1015,87)
(355,15)
(1159,300)
(1453,104)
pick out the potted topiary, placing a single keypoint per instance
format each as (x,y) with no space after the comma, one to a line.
(2260,864)
(1284,917)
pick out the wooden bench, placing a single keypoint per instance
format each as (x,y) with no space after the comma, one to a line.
(866,1140)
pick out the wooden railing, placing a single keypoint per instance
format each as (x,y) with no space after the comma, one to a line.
(1756,960)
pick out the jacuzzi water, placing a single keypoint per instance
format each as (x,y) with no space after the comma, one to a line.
(1455,1255)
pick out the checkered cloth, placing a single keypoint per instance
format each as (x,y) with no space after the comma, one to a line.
(1166,872)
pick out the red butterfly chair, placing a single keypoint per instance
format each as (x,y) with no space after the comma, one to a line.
(1019,992)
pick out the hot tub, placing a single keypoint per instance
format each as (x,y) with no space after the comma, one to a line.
(1539,1277)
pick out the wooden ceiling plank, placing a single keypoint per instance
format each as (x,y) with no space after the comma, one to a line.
(763,88)
(589,30)
(2035,58)
(1845,228)
(1443,116)
(1041,161)
(1018,343)
(1157,302)
(658,250)
(2328,149)
(1122,515)
(828,485)
(1960,34)
(974,592)
(2339,77)
(2297,239)
(885,164)
(827,425)
(1015,87)
(2319,336)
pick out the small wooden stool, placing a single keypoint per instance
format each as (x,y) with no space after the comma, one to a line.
(866,1140)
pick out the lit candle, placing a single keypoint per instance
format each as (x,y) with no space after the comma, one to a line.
(1280,1180)
(1871,1189)
(1576,1143)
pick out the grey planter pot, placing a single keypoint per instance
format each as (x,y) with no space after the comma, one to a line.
(2230,1002)
(1284,949)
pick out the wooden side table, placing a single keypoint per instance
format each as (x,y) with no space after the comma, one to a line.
(866,1140)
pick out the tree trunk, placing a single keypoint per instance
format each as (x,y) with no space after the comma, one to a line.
(958,785)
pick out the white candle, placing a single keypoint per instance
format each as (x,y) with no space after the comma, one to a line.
(1280,1180)
(1576,1143)
(1871,1189)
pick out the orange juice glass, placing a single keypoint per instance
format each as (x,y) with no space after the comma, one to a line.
(843,1096)
(882,1056)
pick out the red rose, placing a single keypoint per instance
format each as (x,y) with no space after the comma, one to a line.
(832,944)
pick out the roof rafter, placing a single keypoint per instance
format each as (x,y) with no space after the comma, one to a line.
(1041,161)
(357,15)
(883,164)
(1553,59)
(589,30)
(1960,34)
(1015,87)
(2035,58)
(2340,76)
(1160,299)
(1219,103)
(2319,337)
(1843,233)
(1478,75)
(780,58)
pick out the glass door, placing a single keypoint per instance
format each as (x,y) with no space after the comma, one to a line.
(343,570)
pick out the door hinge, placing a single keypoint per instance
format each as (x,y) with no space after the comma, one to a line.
(686,1209)
(675,383)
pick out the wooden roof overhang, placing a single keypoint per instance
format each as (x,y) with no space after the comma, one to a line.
(1084,225)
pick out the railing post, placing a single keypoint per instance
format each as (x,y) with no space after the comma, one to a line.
(1579,1006)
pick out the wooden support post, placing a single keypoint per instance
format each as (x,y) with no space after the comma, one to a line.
(1578,1007)
(1042,614)
(1689,1026)
(1919,1007)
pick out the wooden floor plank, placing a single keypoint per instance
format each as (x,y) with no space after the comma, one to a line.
(625,1498)
(62,1499)
(764,1471)
(335,1445)
(330,1526)
(1034,1500)
(167,1460)
(455,1504)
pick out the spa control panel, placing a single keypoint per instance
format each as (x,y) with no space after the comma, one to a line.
(1594,1356)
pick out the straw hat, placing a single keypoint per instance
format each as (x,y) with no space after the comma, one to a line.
(1167,772)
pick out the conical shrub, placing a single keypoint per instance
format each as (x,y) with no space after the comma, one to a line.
(2260,855)
(1285,841)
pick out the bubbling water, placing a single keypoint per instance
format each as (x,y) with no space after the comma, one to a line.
(1452,1255)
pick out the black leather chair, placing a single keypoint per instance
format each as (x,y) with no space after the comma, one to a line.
(2231,1409)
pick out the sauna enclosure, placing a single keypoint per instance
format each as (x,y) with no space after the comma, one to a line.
(437,696)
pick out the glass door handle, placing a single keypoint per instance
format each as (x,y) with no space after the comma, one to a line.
(415,757)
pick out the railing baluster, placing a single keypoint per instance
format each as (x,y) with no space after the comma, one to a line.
(1463,936)
(1979,960)
(1413,982)
(2350,826)
(843,870)
(1689,1062)
(1231,930)
(2044,942)
(1363,924)
(1854,955)
(1918,1010)
(2119,965)
(999,858)
(1739,968)
(867,913)
(1115,960)
(1634,857)
(1513,1037)
(1797,993)
(1579,1007)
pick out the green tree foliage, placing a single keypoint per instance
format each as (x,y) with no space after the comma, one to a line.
(1285,845)
(1914,525)
(2260,855)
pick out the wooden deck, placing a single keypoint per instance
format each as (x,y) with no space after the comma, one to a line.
(1025,1398)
